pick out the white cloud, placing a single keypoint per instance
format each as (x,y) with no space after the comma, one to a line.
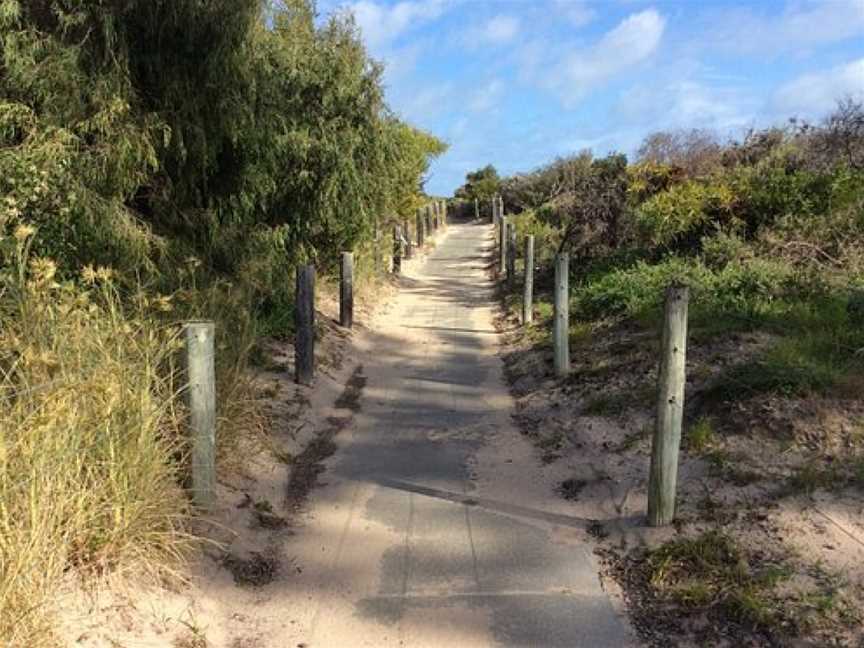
(811,95)
(381,24)
(582,69)
(498,30)
(800,27)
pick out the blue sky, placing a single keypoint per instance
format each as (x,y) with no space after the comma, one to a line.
(516,83)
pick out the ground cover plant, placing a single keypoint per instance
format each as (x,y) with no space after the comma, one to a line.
(768,232)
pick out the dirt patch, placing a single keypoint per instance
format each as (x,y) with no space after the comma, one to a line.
(255,571)
(306,466)
(570,488)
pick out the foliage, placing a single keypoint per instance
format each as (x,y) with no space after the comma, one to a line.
(481,184)
(680,216)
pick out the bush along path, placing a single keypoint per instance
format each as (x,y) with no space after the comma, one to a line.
(764,540)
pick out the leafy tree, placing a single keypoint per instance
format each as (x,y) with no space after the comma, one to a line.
(481,184)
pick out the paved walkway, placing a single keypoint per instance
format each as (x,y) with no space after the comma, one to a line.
(424,533)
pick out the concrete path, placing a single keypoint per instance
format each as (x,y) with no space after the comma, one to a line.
(430,529)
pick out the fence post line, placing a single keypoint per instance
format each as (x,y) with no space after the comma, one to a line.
(201,401)
(528,292)
(663,478)
(561,323)
(304,325)
(502,246)
(511,252)
(346,290)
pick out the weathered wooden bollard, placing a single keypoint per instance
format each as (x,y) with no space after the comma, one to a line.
(502,246)
(201,401)
(476,210)
(409,246)
(397,249)
(663,478)
(429,220)
(528,288)
(561,322)
(346,290)
(511,252)
(420,228)
(304,325)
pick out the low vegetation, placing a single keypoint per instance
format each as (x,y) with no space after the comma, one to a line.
(768,233)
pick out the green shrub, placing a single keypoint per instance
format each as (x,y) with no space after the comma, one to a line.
(640,288)
(749,288)
(722,248)
(546,237)
(682,214)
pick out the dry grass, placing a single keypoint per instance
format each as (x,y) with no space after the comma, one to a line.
(91,453)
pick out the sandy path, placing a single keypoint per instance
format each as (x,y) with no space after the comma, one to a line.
(429,528)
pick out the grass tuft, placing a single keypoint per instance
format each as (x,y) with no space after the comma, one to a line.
(89,446)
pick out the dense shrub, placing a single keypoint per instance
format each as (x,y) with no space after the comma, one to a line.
(680,216)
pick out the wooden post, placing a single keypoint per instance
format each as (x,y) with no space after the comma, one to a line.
(304,325)
(501,206)
(561,323)
(476,210)
(528,292)
(201,400)
(502,246)
(397,249)
(511,252)
(663,478)
(428,220)
(409,246)
(420,229)
(346,290)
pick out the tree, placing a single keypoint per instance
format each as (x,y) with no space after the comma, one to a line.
(481,184)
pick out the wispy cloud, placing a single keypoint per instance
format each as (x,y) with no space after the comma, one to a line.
(813,94)
(577,13)
(686,102)
(495,30)
(799,27)
(582,69)
(486,97)
(382,24)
